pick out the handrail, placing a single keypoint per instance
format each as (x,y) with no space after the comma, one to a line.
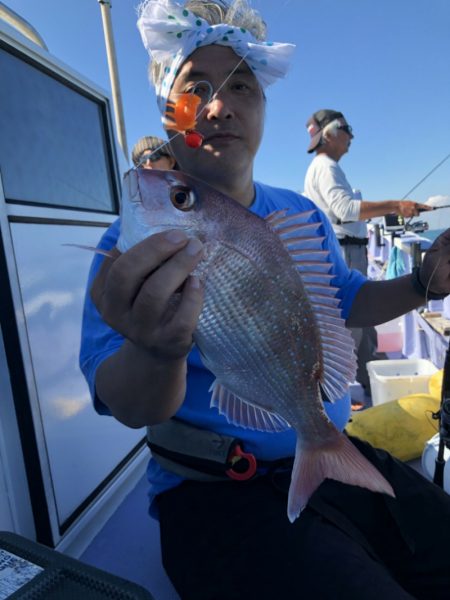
(21,24)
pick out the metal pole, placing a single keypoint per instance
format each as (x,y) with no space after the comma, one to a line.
(105,7)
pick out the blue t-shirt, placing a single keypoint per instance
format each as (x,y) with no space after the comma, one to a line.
(99,341)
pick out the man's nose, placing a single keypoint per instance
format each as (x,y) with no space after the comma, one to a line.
(218,108)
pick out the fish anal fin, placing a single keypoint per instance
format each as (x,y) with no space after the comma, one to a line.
(244,414)
(339,460)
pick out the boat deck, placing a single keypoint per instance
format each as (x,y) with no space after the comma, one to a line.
(128,546)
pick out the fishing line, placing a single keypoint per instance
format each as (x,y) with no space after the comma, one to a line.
(427,289)
(421,181)
(426,176)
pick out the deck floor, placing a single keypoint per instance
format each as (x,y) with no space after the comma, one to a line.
(128,546)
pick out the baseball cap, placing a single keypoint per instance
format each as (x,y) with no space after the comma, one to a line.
(149,143)
(317,122)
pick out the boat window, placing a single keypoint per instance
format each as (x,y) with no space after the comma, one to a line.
(55,143)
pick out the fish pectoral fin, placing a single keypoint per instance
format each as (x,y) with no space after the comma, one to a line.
(244,414)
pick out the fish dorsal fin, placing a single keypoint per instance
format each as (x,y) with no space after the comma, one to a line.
(242,413)
(296,233)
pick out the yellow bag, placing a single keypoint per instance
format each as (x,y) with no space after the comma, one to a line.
(403,426)
(435,384)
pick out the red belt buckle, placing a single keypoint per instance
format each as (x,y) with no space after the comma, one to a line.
(236,456)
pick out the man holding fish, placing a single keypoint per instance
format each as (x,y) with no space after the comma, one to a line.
(217,319)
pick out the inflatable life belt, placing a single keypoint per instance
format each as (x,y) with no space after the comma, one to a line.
(403,426)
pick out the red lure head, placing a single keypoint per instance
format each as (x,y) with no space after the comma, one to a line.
(193,139)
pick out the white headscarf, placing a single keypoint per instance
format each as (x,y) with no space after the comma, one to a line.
(171,33)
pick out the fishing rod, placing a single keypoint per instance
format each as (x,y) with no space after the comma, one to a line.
(433,208)
(407,224)
(426,177)
(443,415)
(444,423)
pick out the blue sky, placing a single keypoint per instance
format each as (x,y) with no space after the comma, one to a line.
(383,63)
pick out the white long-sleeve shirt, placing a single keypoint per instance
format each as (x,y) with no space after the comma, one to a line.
(327,186)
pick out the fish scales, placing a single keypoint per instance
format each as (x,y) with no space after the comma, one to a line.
(261,328)
(240,340)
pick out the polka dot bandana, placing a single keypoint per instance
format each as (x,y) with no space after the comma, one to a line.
(171,33)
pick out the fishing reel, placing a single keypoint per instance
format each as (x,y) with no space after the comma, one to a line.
(417,227)
(445,421)
(397,224)
(443,416)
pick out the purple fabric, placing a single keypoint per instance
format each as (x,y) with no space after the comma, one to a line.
(422,341)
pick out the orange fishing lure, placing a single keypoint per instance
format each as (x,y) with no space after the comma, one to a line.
(181,116)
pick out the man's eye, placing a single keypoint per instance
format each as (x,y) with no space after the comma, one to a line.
(203,89)
(241,87)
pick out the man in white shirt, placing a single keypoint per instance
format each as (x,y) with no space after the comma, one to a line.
(327,186)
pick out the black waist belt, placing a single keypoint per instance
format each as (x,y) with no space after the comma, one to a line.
(204,455)
(348,240)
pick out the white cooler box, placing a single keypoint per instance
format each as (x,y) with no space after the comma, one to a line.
(393,379)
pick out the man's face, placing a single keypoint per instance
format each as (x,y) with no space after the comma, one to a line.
(231,123)
(162,162)
(337,145)
(344,138)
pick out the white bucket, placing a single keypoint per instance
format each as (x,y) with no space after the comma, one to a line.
(393,379)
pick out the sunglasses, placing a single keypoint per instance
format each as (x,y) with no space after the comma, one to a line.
(347,128)
(152,157)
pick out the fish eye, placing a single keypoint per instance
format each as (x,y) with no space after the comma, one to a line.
(183,198)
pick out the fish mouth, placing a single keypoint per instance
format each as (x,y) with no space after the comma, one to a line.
(163,227)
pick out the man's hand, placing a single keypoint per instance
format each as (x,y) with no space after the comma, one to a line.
(434,273)
(134,293)
(407,208)
(403,208)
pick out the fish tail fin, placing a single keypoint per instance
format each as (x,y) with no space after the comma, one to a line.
(339,460)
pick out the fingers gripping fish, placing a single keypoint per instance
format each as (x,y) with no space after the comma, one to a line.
(270,329)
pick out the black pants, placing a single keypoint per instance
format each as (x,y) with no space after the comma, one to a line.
(232,540)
